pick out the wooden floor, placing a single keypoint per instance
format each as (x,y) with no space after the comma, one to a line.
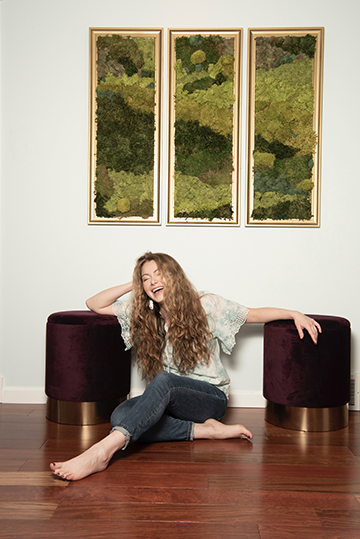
(283,485)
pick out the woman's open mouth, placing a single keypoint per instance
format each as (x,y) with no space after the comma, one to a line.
(157,290)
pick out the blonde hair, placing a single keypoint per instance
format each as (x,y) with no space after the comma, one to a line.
(188,331)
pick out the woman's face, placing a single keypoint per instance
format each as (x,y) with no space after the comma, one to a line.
(154,282)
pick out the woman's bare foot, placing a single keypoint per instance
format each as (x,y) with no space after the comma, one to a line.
(214,430)
(95,459)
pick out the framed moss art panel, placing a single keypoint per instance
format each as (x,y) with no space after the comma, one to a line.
(125,119)
(204,110)
(285,68)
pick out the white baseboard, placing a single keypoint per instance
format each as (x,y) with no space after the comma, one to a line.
(246,399)
(23,395)
(27,395)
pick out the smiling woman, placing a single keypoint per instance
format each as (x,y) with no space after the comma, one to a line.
(153,283)
(178,334)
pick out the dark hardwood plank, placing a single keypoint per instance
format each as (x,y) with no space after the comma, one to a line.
(9,443)
(339,519)
(279,532)
(187,512)
(39,465)
(26,433)
(26,453)
(41,494)
(20,409)
(240,470)
(351,461)
(152,480)
(171,495)
(11,465)
(247,458)
(80,529)
(13,429)
(305,484)
(31,479)
(303,450)
(26,510)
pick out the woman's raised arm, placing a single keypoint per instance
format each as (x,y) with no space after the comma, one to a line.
(102,302)
(301,321)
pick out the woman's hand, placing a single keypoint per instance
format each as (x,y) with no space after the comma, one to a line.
(263,315)
(302,322)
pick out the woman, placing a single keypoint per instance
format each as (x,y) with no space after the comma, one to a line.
(177,334)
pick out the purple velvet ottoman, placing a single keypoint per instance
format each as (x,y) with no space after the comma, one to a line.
(307,386)
(87,367)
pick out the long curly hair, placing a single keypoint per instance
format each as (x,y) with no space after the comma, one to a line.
(188,330)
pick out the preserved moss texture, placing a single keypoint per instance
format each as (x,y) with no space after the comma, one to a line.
(204,101)
(285,141)
(125,119)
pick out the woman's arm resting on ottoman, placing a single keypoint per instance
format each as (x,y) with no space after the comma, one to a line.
(301,321)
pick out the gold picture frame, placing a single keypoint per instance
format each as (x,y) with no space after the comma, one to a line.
(125,125)
(204,120)
(285,78)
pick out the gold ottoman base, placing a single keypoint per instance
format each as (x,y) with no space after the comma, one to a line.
(307,419)
(81,413)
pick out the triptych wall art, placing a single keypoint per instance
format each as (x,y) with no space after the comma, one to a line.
(283,142)
(125,121)
(284,126)
(204,96)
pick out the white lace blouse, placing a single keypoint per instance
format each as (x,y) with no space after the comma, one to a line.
(225,318)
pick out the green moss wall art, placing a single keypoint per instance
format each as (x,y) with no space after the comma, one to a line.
(204,104)
(284,126)
(125,119)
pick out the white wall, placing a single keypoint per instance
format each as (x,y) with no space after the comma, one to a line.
(51,260)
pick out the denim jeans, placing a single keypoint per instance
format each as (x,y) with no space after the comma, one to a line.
(168,409)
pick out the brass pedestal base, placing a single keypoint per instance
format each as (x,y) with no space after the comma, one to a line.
(307,419)
(80,413)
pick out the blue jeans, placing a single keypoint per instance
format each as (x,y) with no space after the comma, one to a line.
(168,409)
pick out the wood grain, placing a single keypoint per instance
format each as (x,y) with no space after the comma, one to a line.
(282,485)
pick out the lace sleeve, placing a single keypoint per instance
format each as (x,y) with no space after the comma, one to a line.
(225,319)
(121,309)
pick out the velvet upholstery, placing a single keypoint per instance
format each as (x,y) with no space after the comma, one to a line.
(86,359)
(299,373)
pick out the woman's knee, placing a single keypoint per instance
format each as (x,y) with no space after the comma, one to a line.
(164,382)
(162,377)
(166,378)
